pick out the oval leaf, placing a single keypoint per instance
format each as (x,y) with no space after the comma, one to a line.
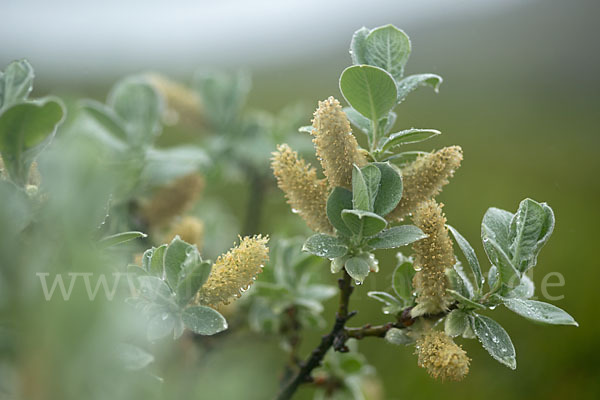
(495,340)
(357,268)
(408,136)
(539,311)
(410,83)
(396,236)
(388,47)
(340,199)
(390,189)
(363,223)
(325,246)
(369,90)
(470,255)
(203,320)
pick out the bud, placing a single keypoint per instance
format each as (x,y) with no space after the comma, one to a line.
(425,178)
(190,230)
(235,271)
(432,256)
(306,194)
(336,146)
(441,357)
(172,200)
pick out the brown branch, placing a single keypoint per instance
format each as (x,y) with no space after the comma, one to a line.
(336,338)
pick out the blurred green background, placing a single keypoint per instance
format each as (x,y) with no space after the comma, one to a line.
(521,96)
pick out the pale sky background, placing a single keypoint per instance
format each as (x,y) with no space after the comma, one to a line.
(76,39)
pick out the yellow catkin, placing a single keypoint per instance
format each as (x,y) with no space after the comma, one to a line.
(181,101)
(190,229)
(234,271)
(441,357)
(432,256)
(425,178)
(172,200)
(335,145)
(305,193)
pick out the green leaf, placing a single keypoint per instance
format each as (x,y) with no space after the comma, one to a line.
(530,229)
(193,275)
(405,158)
(25,130)
(398,337)
(369,90)
(175,255)
(457,283)
(358,46)
(140,108)
(456,323)
(468,286)
(539,311)
(492,276)
(524,290)
(16,83)
(388,47)
(372,177)
(360,121)
(468,303)
(470,256)
(390,189)
(495,340)
(402,278)
(363,223)
(113,240)
(203,320)
(508,274)
(408,136)
(388,122)
(106,117)
(357,268)
(155,290)
(495,225)
(156,266)
(410,83)
(396,236)
(360,191)
(325,246)
(340,199)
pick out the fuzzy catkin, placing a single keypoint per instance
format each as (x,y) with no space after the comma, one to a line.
(336,147)
(305,193)
(172,200)
(441,357)
(234,271)
(190,229)
(425,178)
(432,256)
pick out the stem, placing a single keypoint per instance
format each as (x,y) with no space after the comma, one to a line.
(335,338)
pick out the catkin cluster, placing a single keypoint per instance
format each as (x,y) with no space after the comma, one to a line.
(336,147)
(304,192)
(432,256)
(234,271)
(425,178)
(442,358)
(337,150)
(172,200)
